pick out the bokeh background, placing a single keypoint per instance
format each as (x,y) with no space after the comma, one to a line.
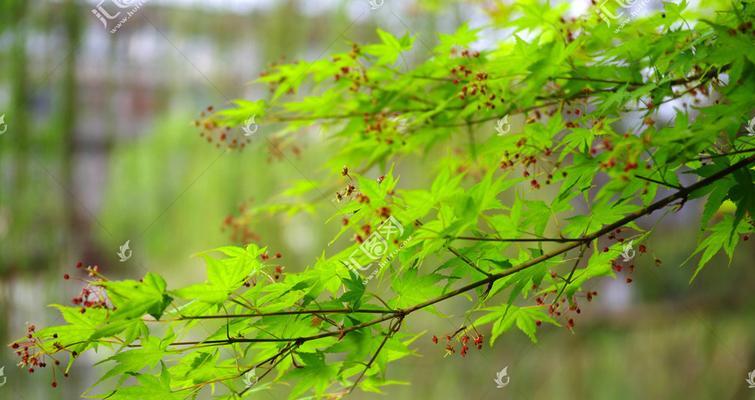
(100,148)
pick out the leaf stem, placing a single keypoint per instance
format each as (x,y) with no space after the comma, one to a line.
(493,239)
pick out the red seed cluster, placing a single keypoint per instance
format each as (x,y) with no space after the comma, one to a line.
(385,127)
(568,30)
(222,136)
(474,86)
(562,308)
(532,168)
(32,355)
(463,340)
(239,226)
(353,73)
(277,273)
(91,295)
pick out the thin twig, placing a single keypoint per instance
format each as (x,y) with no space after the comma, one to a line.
(710,156)
(644,178)
(280,313)
(271,368)
(467,261)
(568,280)
(493,239)
(367,367)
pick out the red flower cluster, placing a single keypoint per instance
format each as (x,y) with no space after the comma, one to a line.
(464,341)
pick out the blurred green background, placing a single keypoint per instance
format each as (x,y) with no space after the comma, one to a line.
(101,148)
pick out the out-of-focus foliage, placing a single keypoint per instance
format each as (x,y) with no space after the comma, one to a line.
(555,91)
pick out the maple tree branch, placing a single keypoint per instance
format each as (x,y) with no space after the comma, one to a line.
(394,328)
(536,240)
(281,313)
(287,351)
(571,274)
(680,194)
(711,156)
(683,193)
(644,178)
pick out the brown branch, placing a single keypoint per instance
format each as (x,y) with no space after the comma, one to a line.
(301,339)
(644,178)
(282,357)
(571,274)
(598,80)
(552,100)
(239,375)
(367,367)
(281,313)
(681,194)
(708,157)
(536,240)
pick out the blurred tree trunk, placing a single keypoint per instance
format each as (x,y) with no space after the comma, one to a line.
(68,117)
(18,134)
(12,202)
